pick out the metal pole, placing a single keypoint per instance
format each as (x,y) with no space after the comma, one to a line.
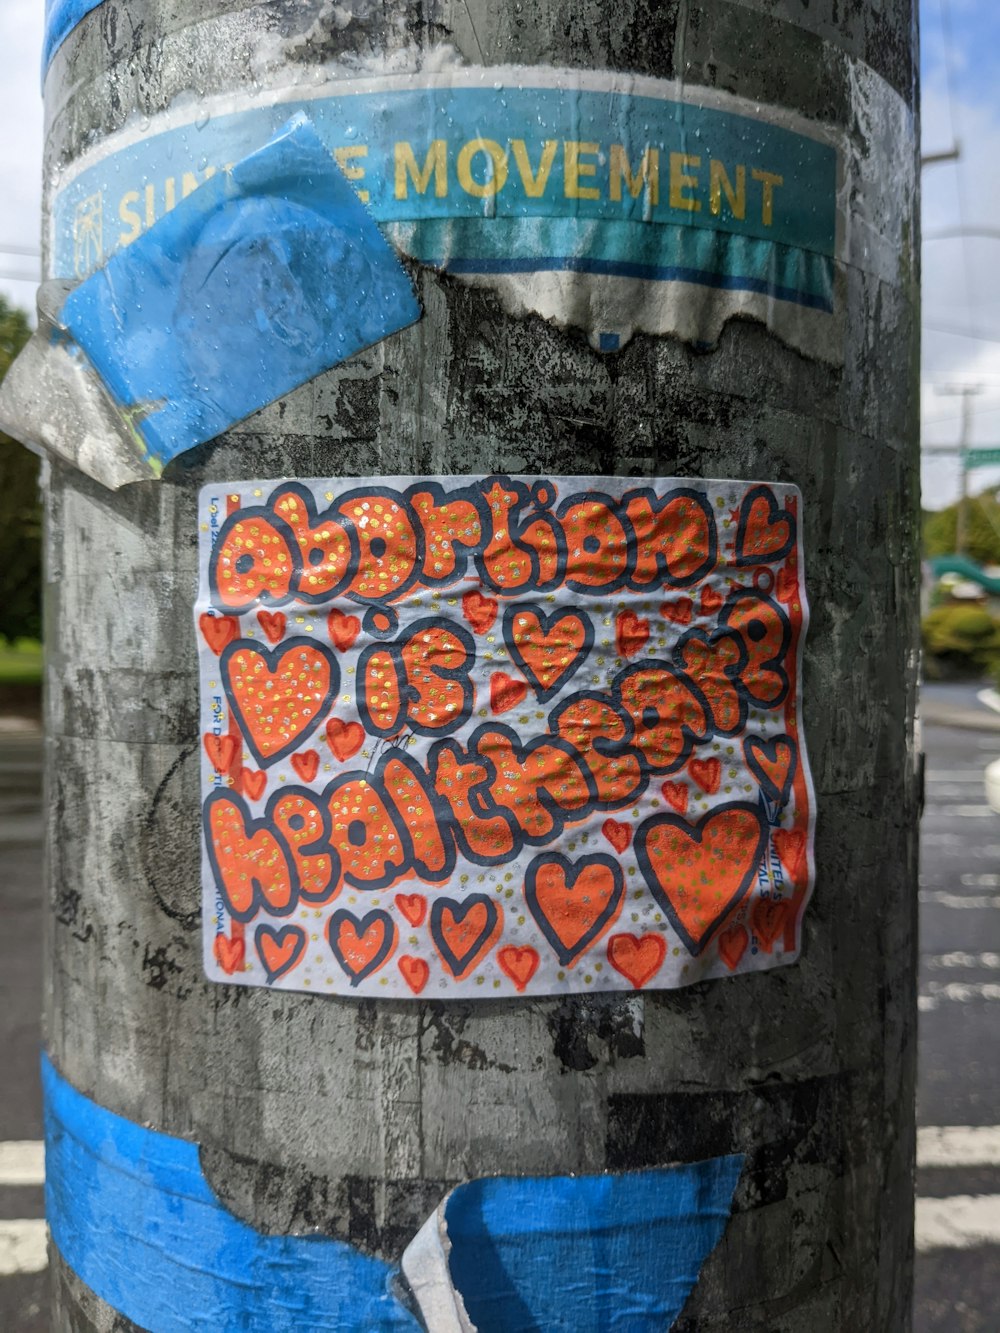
(352,1118)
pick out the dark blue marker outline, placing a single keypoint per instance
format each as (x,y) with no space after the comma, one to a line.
(264,597)
(480,802)
(617,509)
(696,833)
(460,909)
(462,551)
(605,747)
(279,936)
(734,674)
(689,738)
(315,519)
(409,694)
(657,504)
(773,510)
(390,493)
(317,848)
(773,664)
(258,900)
(270,655)
(546,621)
(517,521)
(571,872)
(769,747)
(361,925)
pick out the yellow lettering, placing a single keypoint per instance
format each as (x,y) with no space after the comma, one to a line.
(350,169)
(534,185)
(718,182)
(436,164)
(769,181)
(150,206)
(648,174)
(169,194)
(573,169)
(681,180)
(497,177)
(129,216)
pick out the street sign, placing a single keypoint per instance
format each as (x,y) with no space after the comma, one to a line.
(982,458)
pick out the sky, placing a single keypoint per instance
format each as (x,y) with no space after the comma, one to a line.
(960,59)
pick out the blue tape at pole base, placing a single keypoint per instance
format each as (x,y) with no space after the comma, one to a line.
(270,273)
(132,1214)
(61,17)
(586,1254)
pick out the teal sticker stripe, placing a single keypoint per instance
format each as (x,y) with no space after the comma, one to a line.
(568,177)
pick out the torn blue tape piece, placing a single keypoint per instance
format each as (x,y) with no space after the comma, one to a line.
(61,17)
(268,274)
(132,1214)
(586,1254)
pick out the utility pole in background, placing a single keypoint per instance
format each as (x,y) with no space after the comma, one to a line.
(966,392)
(352,1118)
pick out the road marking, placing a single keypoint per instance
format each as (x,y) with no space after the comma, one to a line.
(986,881)
(971,811)
(956,775)
(988,961)
(960,992)
(22,1162)
(958,1223)
(958,1145)
(960,900)
(23,1246)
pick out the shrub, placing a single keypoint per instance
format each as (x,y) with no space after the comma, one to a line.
(961,640)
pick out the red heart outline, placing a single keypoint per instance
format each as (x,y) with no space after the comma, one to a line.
(637,957)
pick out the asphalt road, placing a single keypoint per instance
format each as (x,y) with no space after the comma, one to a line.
(958,1282)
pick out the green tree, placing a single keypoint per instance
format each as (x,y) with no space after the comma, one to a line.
(20,508)
(982,534)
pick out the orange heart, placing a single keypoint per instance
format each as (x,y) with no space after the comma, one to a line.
(676,794)
(732,945)
(346,738)
(547,649)
(707,773)
(505,692)
(306,764)
(519,964)
(679,611)
(361,945)
(764,532)
(637,957)
(699,873)
(221,750)
(279,695)
(631,633)
(768,918)
(218,630)
(279,950)
(619,835)
(791,847)
(272,623)
(711,601)
(343,629)
(772,762)
(479,611)
(463,932)
(229,953)
(573,904)
(415,972)
(252,783)
(413,906)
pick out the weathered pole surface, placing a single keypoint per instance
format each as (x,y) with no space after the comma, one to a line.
(354,1117)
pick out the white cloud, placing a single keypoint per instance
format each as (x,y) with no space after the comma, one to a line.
(21,26)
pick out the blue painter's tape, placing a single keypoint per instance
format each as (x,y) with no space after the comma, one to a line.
(132,1214)
(586,1254)
(270,273)
(61,17)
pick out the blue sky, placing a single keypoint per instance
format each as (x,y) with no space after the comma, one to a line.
(961,277)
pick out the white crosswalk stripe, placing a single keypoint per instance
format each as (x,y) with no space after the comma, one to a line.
(22,1162)
(23,1246)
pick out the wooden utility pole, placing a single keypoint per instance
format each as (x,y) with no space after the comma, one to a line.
(351,1118)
